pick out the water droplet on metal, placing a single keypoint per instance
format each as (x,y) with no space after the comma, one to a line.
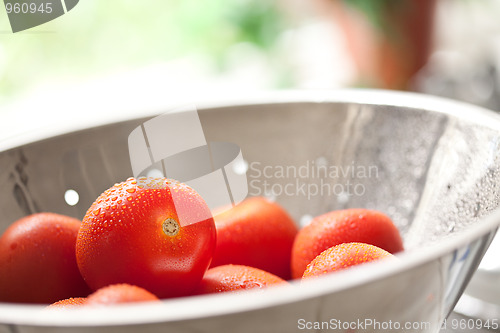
(71,197)
(343,197)
(240,167)
(321,161)
(305,220)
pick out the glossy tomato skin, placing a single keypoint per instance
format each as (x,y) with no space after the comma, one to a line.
(236,278)
(343,226)
(124,238)
(343,256)
(256,233)
(120,293)
(37,260)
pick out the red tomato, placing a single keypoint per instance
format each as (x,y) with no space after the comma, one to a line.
(236,278)
(256,233)
(68,303)
(343,226)
(37,260)
(157,234)
(344,256)
(120,293)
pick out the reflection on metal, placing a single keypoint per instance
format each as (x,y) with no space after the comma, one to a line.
(418,144)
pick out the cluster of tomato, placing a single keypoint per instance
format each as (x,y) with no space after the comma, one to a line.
(149,239)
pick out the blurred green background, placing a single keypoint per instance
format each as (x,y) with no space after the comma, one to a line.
(100,37)
(232,45)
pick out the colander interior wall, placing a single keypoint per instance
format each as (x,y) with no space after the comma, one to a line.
(431,165)
(429,171)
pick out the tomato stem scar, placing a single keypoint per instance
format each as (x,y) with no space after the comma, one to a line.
(170,227)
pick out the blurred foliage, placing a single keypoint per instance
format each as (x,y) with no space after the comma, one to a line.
(258,23)
(100,36)
(376,11)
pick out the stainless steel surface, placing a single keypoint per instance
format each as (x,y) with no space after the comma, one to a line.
(434,168)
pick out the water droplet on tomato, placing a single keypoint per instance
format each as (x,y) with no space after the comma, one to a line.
(246,284)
